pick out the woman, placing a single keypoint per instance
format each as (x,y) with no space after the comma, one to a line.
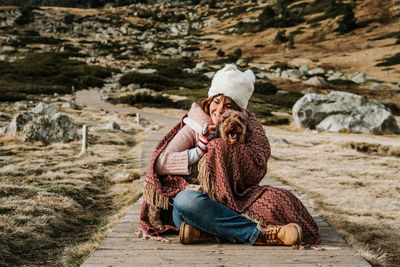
(231,205)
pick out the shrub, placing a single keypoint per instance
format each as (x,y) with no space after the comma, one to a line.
(237,53)
(220,53)
(144,78)
(348,21)
(280,37)
(265,88)
(48,73)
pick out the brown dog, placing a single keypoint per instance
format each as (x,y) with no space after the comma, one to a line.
(233,127)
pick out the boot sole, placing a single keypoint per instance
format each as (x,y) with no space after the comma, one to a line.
(299,231)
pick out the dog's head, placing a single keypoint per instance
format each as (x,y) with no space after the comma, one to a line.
(233,126)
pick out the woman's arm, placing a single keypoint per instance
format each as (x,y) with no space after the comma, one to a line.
(174,158)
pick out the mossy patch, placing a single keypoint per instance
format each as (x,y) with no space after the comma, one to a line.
(152,100)
(170,75)
(47,73)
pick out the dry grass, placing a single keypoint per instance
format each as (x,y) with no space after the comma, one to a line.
(357,192)
(56,205)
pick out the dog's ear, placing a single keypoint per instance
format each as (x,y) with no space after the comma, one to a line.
(244,118)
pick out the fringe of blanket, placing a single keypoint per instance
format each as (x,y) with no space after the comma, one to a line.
(151,196)
(140,233)
(260,222)
(207,186)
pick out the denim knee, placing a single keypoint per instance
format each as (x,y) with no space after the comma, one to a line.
(188,200)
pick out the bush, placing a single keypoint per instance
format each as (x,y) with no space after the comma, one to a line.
(48,73)
(220,53)
(265,88)
(144,78)
(348,21)
(280,37)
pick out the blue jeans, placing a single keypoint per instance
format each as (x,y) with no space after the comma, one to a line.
(206,214)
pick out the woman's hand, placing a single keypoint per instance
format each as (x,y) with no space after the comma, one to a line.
(209,131)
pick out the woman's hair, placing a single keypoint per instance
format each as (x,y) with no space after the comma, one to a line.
(205,104)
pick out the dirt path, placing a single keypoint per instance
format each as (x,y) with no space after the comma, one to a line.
(123,248)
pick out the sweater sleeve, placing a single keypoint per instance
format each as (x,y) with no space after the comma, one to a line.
(174,158)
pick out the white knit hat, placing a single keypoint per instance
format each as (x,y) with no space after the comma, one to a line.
(231,82)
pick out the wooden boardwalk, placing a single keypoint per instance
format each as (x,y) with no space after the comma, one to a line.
(123,248)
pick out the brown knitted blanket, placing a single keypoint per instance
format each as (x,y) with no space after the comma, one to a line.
(231,175)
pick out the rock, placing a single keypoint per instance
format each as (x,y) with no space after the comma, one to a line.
(7,49)
(44,109)
(171,51)
(336,76)
(144,91)
(4,130)
(316,71)
(310,90)
(292,74)
(360,77)
(60,128)
(20,106)
(20,120)
(124,177)
(133,86)
(340,110)
(304,69)
(69,105)
(201,67)
(210,74)
(277,140)
(38,126)
(112,126)
(316,80)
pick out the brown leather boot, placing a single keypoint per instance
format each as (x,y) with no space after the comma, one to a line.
(189,234)
(290,234)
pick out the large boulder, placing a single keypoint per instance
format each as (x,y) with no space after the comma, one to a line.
(340,110)
(44,124)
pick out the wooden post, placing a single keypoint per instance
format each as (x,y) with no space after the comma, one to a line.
(84,139)
(137,119)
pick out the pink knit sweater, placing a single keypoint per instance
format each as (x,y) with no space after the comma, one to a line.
(174,158)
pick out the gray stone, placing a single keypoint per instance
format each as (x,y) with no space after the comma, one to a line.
(277,140)
(316,80)
(44,109)
(69,105)
(210,74)
(20,120)
(293,73)
(112,126)
(340,110)
(4,130)
(316,71)
(144,91)
(20,106)
(133,86)
(336,76)
(304,69)
(7,49)
(360,77)
(201,67)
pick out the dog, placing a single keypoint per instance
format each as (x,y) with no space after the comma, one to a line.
(233,127)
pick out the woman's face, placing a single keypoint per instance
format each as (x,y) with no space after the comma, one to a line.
(218,106)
